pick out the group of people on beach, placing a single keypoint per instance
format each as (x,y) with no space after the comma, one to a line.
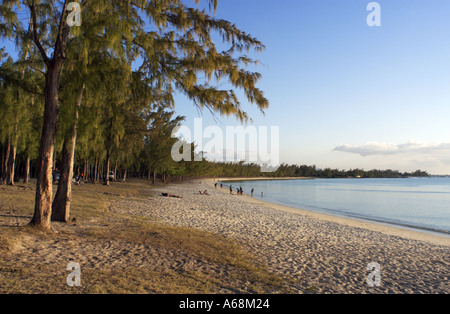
(239,190)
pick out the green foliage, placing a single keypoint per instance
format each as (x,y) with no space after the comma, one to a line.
(241,169)
(159,142)
(169,45)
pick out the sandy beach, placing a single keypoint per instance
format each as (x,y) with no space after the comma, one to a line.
(315,253)
(326,254)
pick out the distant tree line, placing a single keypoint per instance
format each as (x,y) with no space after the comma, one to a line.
(207,168)
(153,162)
(311,171)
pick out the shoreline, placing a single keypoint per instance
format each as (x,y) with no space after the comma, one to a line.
(197,242)
(410,232)
(262,179)
(325,253)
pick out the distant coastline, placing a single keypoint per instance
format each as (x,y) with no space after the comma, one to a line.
(227,179)
(221,179)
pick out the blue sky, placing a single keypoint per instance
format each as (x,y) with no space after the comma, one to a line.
(346,95)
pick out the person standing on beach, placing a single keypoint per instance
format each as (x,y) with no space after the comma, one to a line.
(252,192)
(231,190)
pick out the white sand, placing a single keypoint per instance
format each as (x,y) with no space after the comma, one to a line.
(326,254)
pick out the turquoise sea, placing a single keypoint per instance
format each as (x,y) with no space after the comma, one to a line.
(422,203)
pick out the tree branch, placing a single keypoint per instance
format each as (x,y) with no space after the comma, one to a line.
(61,38)
(14,80)
(35,34)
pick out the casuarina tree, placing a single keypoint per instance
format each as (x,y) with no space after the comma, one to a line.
(171,45)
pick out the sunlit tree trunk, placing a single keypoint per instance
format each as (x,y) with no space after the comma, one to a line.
(43,200)
(63,197)
(124,178)
(26,178)
(10,171)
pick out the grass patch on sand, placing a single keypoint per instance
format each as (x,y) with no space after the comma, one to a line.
(230,269)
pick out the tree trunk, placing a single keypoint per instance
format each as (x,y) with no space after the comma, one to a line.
(63,197)
(26,178)
(108,160)
(43,201)
(124,176)
(5,161)
(11,165)
(1,164)
(85,169)
(96,170)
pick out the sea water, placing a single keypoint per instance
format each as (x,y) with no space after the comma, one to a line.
(422,203)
